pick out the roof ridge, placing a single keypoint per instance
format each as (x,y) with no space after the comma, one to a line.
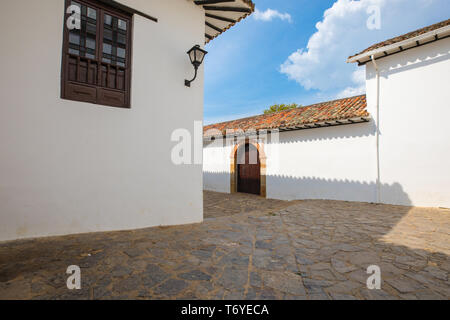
(315,105)
(405,36)
(419,29)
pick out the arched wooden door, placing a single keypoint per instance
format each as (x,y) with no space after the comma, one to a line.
(249,170)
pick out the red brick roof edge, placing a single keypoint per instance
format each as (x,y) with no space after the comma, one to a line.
(341,109)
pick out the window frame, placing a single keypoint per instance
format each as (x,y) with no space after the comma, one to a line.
(102,9)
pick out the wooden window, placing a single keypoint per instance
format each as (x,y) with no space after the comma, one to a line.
(96,57)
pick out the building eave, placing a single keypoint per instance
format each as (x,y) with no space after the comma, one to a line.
(307,126)
(221,15)
(414,42)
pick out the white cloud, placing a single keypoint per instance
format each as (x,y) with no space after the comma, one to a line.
(351,91)
(359,80)
(271,14)
(343,32)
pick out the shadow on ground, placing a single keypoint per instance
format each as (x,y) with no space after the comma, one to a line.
(247,248)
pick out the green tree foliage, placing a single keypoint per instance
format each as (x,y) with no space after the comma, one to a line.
(281,107)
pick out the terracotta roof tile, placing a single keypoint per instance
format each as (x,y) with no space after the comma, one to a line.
(342,109)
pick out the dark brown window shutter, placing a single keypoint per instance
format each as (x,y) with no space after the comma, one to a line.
(96,58)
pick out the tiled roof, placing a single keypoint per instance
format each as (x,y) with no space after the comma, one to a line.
(406,36)
(342,109)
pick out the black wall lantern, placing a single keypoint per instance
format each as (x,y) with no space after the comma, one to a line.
(196,54)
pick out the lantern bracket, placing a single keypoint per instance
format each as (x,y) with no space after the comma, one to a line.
(187,83)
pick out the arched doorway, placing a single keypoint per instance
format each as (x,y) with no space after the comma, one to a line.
(262,161)
(248,169)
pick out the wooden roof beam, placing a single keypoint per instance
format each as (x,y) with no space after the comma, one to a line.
(209,2)
(213,16)
(229,9)
(213,26)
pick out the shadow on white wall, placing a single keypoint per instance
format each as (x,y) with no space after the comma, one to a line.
(303,188)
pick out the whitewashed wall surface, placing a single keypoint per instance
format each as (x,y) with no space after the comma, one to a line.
(327,163)
(69,167)
(414,130)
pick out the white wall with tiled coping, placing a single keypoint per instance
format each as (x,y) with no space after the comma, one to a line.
(340,163)
(325,163)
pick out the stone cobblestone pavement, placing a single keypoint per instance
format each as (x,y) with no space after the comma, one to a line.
(247,248)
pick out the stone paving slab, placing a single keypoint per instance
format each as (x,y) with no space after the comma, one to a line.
(247,248)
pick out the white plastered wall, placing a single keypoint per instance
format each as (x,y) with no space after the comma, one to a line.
(216,166)
(414,129)
(69,167)
(328,163)
(336,163)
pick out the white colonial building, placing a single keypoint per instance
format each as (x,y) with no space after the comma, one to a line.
(91,91)
(389,146)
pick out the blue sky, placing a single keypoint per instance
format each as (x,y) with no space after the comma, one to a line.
(297,53)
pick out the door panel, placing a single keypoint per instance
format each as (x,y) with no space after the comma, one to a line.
(249,172)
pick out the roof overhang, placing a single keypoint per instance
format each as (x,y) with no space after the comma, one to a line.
(401,46)
(220,15)
(306,126)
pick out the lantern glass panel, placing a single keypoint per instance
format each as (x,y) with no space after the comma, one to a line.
(192,56)
(200,56)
